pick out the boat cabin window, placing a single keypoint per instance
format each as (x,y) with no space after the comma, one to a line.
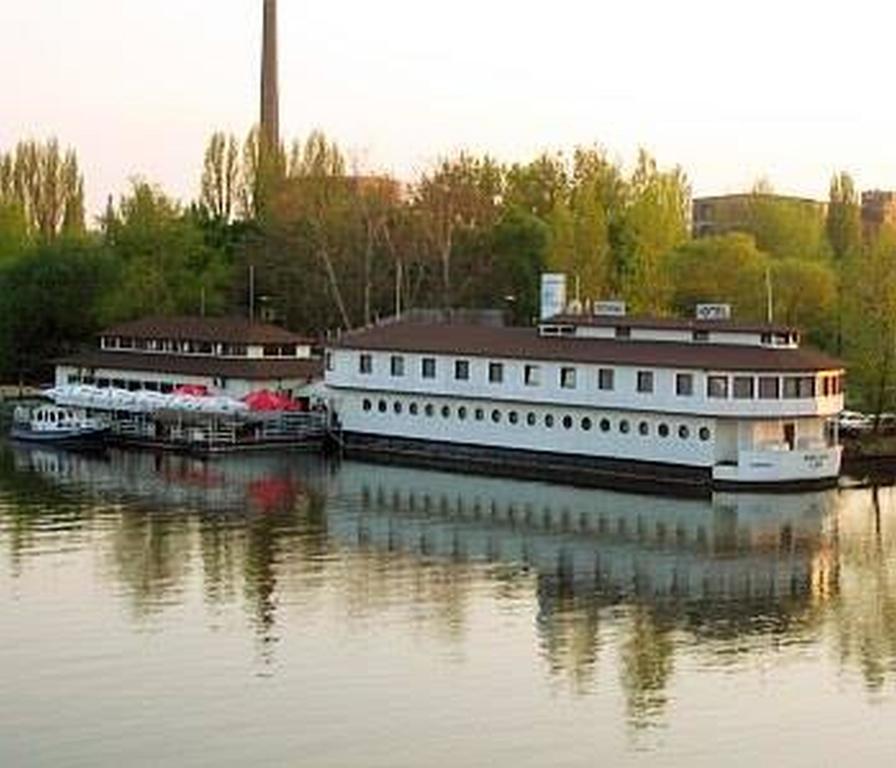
(462,370)
(717,387)
(532,375)
(743,387)
(495,373)
(684,384)
(365,363)
(568,378)
(645,381)
(701,336)
(623,332)
(396,365)
(769,388)
(605,379)
(428,367)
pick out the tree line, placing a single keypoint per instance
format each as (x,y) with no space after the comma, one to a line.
(332,246)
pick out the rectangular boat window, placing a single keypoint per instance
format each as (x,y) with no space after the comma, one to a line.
(496,373)
(461,370)
(717,387)
(743,387)
(769,388)
(532,375)
(365,363)
(568,378)
(605,379)
(623,332)
(645,381)
(329,361)
(684,384)
(791,387)
(806,386)
(701,336)
(396,365)
(428,367)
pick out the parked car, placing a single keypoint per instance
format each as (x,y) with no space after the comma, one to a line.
(853,423)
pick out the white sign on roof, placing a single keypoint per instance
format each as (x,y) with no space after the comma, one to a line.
(611,308)
(713,312)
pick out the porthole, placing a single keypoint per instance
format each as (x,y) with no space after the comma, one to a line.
(429,410)
(644,428)
(413,409)
(586,424)
(624,427)
(705,434)
(663,430)
(531,419)
(479,414)
(397,407)
(496,416)
(549,420)
(604,425)
(462,412)
(368,406)
(513,417)
(382,406)
(567,422)
(446,411)
(683,432)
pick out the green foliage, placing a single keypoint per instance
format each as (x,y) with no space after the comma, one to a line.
(844,218)
(48,301)
(726,268)
(787,228)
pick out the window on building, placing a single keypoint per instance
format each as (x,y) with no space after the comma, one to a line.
(446,411)
(479,414)
(428,367)
(705,434)
(429,409)
(806,386)
(513,417)
(623,332)
(496,373)
(700,336)
(329,361)
(743,388)
(532,375)
(461,370)
(496,416)
(549,420)
(462,413)
(684,384)
(531,419)
(717,387)
(396,365)
(604,425)
(382,406)
(769,388)
(567,422)
(643,428)
(663,430)
(605,379)
(645,381)
(624,427)
(586,424)
(367,405)
(413,409)
(568,378)
(365,363)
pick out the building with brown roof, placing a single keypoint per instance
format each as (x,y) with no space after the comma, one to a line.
(228,355)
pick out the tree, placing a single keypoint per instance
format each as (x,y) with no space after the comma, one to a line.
(220,177)
(729,269)
(655,222)
(844,218)
(519,244)
(46,185)
(786,227)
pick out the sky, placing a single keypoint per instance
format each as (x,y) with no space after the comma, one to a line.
(786,90)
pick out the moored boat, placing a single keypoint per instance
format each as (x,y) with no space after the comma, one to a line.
(49,423)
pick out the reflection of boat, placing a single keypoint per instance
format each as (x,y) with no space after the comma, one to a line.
(47,423)
(734,546)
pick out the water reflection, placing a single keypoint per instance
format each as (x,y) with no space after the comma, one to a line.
(621,584)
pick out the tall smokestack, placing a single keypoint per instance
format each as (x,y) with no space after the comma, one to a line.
(270,96)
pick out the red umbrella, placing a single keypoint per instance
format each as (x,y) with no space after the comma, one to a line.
(196,390)
(265,400)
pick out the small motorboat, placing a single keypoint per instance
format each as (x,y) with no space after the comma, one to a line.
(48,423)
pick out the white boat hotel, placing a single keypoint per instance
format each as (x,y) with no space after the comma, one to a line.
(604,397)
(228,356)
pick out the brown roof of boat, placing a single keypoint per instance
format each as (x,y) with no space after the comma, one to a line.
(235,368)
(234,330)
(526,343)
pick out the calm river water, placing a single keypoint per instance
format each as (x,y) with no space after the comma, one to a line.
(281,610)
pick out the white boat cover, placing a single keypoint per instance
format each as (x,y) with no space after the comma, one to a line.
(112,399)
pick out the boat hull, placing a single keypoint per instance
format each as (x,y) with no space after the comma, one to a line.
(602,472)
(59,437)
